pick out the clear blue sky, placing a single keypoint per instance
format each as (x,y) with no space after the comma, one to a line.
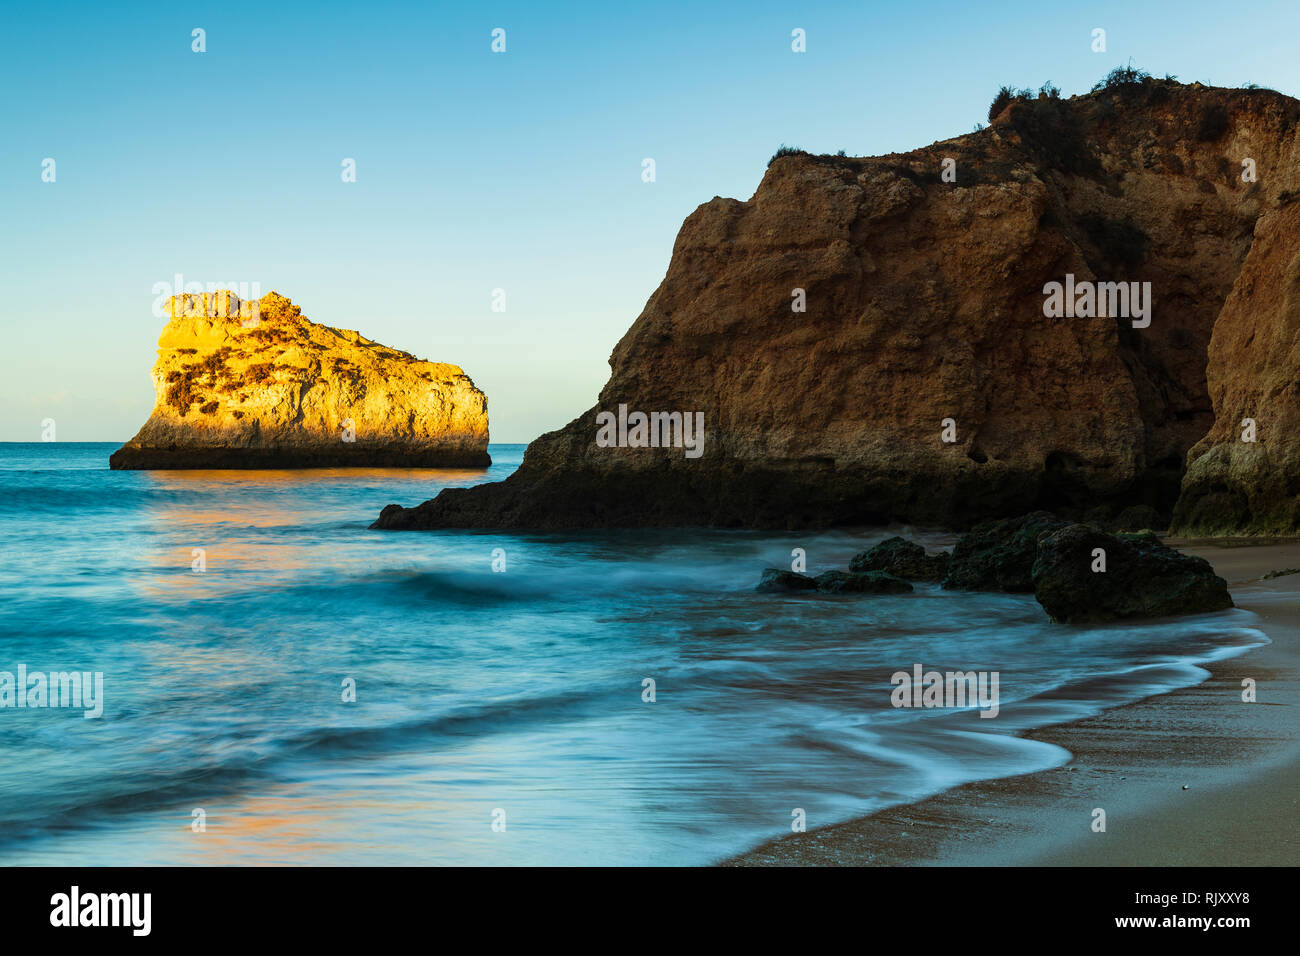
(475,170)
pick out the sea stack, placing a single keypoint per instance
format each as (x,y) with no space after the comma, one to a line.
(254,384)
(1018,318)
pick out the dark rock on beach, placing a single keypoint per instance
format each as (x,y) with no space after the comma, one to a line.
(999,555)
(861,582)
(1142,578)
(904,559)
(776,579)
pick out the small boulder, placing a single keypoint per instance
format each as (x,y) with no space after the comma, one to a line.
(776,579)
(861,582)
(999,555)
(1143,578)
(904,559)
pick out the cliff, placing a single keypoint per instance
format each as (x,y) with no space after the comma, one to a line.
(1244,476)
(924,382)
(256,385)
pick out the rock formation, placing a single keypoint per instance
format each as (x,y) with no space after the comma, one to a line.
(904,559)
(861,582)
(1235,484)
(923,382)
(778,580)
(256,385)
(1078,573)
(1141,578)
(999,555)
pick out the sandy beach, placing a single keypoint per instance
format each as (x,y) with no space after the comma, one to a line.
(1192,777)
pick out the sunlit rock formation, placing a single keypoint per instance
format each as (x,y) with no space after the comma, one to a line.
(256,385)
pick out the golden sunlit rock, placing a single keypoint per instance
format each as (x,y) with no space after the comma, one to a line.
(254,384)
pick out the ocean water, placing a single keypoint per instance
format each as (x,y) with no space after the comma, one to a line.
(484,696)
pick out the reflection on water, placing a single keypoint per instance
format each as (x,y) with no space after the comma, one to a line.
(229,519)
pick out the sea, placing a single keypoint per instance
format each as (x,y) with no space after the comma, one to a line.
(282,685)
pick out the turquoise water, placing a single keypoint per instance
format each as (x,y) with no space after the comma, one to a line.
(478,690)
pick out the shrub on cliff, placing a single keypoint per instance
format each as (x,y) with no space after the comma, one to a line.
(180,395)
(784,150)
(215,363)
(1123,79)
(1000,102)
(256,374)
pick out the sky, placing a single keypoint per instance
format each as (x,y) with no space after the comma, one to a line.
(475,170)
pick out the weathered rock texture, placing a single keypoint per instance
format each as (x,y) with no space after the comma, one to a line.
(777,580)
(1142,578)
(924,303)
(1234,486)
(999,555)
(257,385)
(904,559)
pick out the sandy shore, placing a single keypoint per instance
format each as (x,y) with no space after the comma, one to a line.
(1192,777)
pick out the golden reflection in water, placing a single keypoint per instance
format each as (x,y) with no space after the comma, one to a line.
(292,826)
(219,512)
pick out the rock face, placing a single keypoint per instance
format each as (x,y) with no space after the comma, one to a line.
(776,580)
(861,582)
(867,341)
(999,555)
(1233,485)
(256,385)
(904,559)
(1142,578)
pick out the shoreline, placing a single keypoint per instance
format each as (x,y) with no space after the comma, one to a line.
(1239,763)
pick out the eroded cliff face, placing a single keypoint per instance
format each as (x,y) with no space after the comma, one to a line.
(925,303)
(1244,476)
(256,385)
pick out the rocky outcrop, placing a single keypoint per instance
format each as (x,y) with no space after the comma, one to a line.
(861,582)
(1244,476)
(256,385)
(923,381)
(1084,576)
(902,558)
(777,580)
(999,555)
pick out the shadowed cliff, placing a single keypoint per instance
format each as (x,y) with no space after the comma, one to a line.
(924,382)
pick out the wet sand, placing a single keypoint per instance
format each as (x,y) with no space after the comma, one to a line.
(1192,777)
